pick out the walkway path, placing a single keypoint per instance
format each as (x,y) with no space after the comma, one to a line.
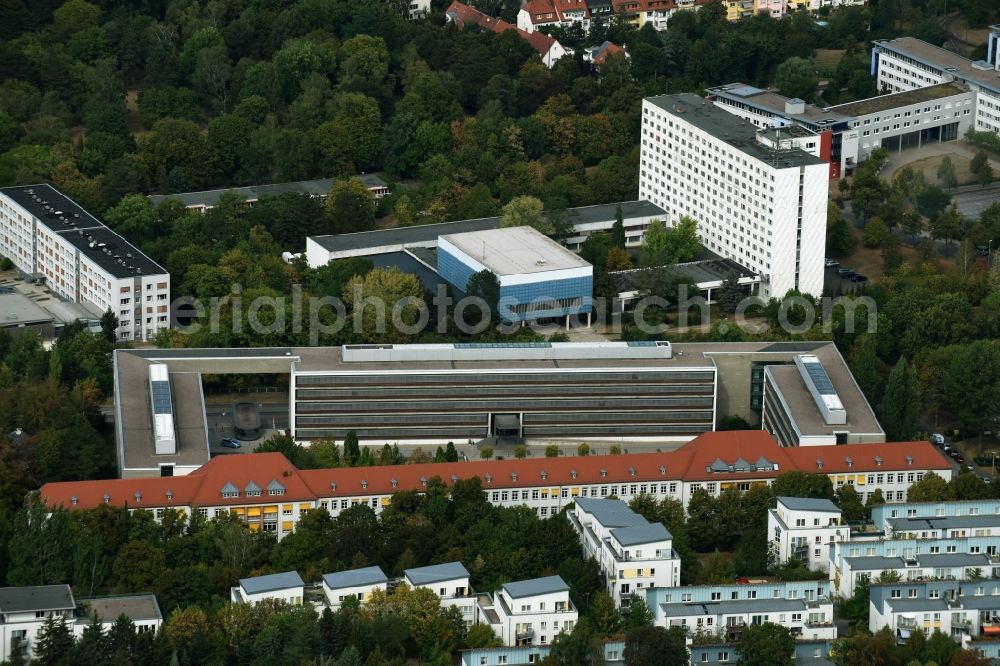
(898,160)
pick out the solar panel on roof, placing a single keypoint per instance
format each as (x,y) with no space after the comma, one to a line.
(641,343)
(817,373)
(161,397)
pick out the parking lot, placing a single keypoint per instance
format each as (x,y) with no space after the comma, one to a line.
(835,281)
(963,459)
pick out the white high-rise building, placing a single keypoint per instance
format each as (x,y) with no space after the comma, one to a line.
(49,237)
(759,196)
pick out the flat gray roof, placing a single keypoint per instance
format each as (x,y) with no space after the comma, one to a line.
(355,578)
(953,560)
(426,233)
(730,129)
(18,310)
(942,59)
(699,273)
(875,562)
(329,359)
(730,607)
(637,535)
(864,107)
(529,588)
(36,598)
(611,512)
(805,413)
(436,573)
(944,522)
(916,605)
(515,251)
(91,237)
(809,504)
(775,103)
(136,607)
(317,188)
(271,582)
(134,418)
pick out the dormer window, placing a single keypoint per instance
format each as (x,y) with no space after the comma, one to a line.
(513,476)
(572,474)
(631,471)
(454,479)
(488,477)
(545,475)
(878,461)
(333,485)
(663,470)
(229,491)
(423,481)
(604,473)
(73,500)
(364,484)
(850,463)
(909,460)
(819,463)
(170,496)
(138,496)
(393,482)
(107,498)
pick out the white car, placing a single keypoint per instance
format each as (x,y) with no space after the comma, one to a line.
(937,439)
(830,263)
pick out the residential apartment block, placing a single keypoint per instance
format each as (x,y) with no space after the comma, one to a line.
(722,611)
(450,581)
(756,202)
(725,654)
(286,586)
(713,462)
(966,610)
(528,612)
(801,528)
(939,520)
(527,655)
(355,583)
(51,239)
(24,610)
(633,553)
(907,63)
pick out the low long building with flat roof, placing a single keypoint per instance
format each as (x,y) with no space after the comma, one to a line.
(583,221)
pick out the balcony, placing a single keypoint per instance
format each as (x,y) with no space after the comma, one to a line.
(906,623)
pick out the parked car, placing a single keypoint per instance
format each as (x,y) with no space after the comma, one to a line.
(982,250)
(959,459)
(231,443)
(951,452)
(937,439)
(844,271)
(858,277)
(830,263)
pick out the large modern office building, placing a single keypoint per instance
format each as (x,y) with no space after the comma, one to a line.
(907,63)
(538,277)
(51,239)
(758,200)
(539,393)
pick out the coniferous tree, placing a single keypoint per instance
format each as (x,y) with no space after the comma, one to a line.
(618,230)
(55,643)
(901,404)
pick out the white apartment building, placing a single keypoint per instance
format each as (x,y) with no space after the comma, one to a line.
(803,528)
(939,520)
(968,611)
(529,612)
(762,207)
(722,611)
(450,581)
(52,239)
(632,552)
(286,586)
(907,63)
(356,583)
(24,610)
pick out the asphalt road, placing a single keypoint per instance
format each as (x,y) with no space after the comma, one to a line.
(273,418)
(972,202)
